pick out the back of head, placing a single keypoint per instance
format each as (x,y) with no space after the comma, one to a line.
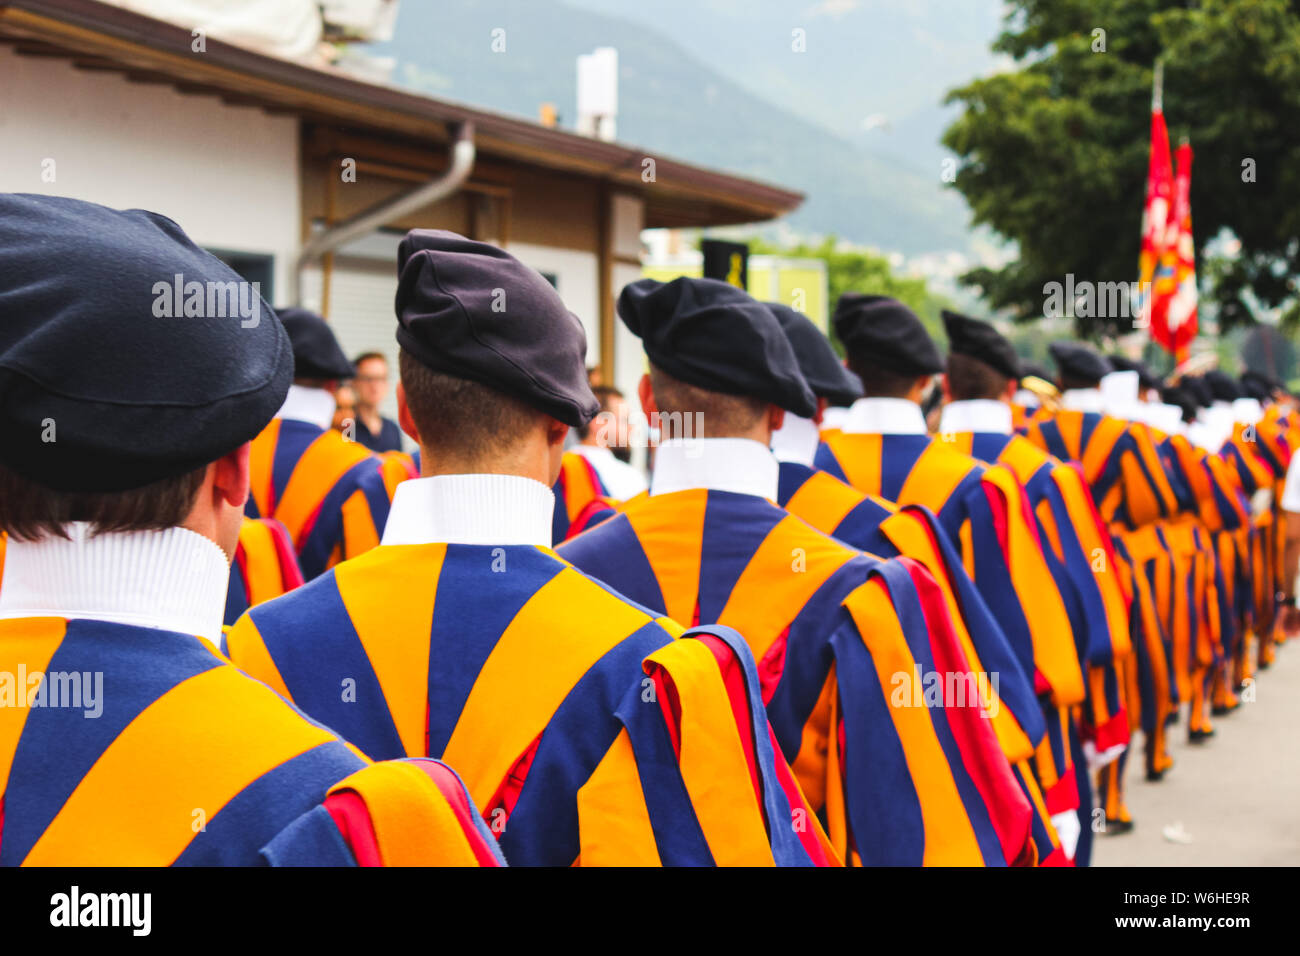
(886,344)
(130,359)
(488,349)
(1078,366)
(982,363)
(717,356)
(317,356)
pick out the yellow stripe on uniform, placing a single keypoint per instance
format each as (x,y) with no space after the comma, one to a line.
(526,678)
(949,838)
(327,459)
(248,652)
(613,830)
(412,819)
(385,618)
(30,642)
(712,759)
(823,501)
(235,730)
(676,567)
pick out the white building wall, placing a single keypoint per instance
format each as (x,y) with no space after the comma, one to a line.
(576,279)
(227,174)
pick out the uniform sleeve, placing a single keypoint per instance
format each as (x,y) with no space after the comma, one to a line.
(696,778)
(395,813)
(916,775)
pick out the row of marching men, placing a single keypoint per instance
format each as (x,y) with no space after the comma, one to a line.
(1066,573)
(869,647)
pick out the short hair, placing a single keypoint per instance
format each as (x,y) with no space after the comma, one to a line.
(30,510)
(460,417)
(367,356)
(604,394)
(720,415)
(879,381)
(969,378)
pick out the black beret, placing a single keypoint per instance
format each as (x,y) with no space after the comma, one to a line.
(316,352)
(1181,396)
(1034,370)
(128,355)
(1223,386)
(821,367)
(886,332)
(473,311)
(1078,361)
(712,335)
(1200,390)
(1146,378)
(1258,385)
(980,341)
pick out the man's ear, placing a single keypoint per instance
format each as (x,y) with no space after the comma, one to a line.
(404,415)
(821,411)
(230,480)
(556,431)
(645,391)
(947,389)
(776,417)
(1009,393)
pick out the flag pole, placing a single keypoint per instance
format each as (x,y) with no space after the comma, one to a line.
(1158,88)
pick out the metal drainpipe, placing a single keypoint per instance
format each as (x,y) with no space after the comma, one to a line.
(368,220)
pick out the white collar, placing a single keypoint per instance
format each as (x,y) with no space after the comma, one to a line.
(796,440)
(471,509)
(884,416)
(1027,398)
(313,405)
(1083,400)
(174,580)
(1167,418)
(976,415)
(738,465)
(1247,411)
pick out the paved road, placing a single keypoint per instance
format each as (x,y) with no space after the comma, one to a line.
(1236,797)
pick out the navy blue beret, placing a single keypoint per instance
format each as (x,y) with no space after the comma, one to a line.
(1076,360)
(980,341)
(887,333)
(1200,390)
(1034,370)
(473,311)
(712,335)
(821,367)
(1146,378)
(316,352)
(1223,386)
(127,354)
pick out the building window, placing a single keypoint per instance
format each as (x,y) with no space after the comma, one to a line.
(252,267)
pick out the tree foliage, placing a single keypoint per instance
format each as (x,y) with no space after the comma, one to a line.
(1053,154)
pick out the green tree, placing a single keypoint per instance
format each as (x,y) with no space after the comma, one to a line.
(1053,154)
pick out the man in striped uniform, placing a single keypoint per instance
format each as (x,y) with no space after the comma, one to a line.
(1132,492)
(125,738)
(330,494)
(845,641)
(589,729)
(980,383)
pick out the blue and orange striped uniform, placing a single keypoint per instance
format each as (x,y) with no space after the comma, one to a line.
(838,635)
(579,496)
(264,566)
(332,495)
(1080,555)
(187,761)
(1133,494)
(878,526)
(586,731)
(985,513)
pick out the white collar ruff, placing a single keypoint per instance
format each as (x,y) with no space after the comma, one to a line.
(471,509)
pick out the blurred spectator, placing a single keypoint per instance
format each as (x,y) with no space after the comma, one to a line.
(371,387)
(604,443)
(345,412)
